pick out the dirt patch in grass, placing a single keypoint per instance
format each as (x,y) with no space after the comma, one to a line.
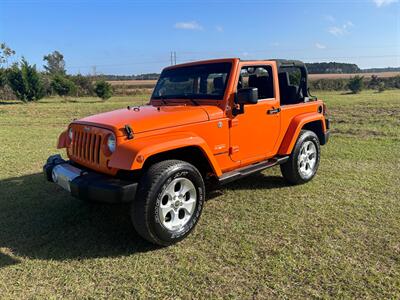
(359,133)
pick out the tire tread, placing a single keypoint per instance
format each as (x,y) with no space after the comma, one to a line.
(141,205)
(289,169)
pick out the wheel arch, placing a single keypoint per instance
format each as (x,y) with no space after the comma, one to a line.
(191,154)
(310,121)
(139,154)
(318,128)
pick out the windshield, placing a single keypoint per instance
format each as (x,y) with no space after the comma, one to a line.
(206,81)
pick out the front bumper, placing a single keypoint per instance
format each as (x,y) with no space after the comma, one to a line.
(88,185)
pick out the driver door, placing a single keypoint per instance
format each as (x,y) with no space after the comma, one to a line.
(254,133)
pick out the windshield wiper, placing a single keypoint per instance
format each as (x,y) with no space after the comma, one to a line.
(183,96)
(194,101)
(162,98)
(190,97)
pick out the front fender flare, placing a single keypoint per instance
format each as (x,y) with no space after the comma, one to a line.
(132,154)
(62,140)
(294,129)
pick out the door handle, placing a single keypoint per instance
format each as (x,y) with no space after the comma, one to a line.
(273,111)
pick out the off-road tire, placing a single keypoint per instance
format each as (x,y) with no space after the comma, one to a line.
(145,207)
(291,170)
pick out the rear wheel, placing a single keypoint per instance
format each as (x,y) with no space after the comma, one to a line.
(169,202)
(304,159)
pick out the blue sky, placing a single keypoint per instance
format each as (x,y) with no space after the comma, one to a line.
(132,37)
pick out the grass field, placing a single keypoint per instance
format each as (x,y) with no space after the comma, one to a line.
(335,237)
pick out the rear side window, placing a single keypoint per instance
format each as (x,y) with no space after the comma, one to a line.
(292,85)
(294,75)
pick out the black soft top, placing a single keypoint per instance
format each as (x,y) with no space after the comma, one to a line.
(285,63)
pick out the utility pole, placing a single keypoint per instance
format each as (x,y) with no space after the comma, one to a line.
(94,71)
(173,58)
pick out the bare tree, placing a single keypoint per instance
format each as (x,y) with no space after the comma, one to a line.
(5,53)
(55,63)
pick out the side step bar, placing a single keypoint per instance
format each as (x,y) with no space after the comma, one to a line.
(251,169)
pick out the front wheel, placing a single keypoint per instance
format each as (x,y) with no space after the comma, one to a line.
(304,159)
(169,202)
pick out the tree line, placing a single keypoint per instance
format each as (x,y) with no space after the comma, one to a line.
(23,81)
(26,83)
(312,68)
(147,76)
(356,83)
(332,68)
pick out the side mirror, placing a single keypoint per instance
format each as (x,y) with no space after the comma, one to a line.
(247,96)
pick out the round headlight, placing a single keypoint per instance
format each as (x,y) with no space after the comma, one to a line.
(111,143)
(70,134)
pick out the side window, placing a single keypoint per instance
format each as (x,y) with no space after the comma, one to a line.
(294,76)
(259,77)
(292,85)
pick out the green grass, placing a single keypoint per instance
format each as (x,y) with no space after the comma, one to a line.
(335,237)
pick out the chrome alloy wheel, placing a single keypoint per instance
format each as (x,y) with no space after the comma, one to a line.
(178,203)
(307,159)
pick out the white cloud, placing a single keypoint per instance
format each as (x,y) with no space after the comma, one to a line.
(320,46)
(329,18)
(275,44)
(336,30)
(192,25)
(380,3)
(219,28)
(340,30)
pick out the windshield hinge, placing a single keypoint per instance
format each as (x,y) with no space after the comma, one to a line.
(129,132)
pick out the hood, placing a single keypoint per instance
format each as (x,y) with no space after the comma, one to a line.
(147,118)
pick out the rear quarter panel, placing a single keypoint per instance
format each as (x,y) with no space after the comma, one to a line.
(293,118)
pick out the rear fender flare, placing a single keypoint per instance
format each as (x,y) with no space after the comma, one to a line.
(132,154)
(294,129)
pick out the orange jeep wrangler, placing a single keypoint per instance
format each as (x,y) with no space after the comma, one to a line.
(216,120)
